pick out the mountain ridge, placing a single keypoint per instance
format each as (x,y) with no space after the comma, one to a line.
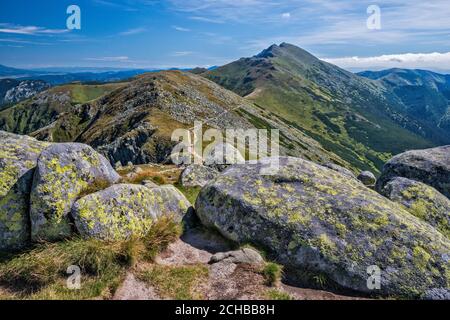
(358,118)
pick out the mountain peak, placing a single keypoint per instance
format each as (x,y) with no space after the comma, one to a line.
(287,50)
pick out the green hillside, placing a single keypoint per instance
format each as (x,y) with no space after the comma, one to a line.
(354,117)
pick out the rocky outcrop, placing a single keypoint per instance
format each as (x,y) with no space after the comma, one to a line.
(197,176)
(63,172)
(24,90)
(18,157)
(422,201)
(315,219)
(367,178)
(124,211)
(430,166)
(138,146)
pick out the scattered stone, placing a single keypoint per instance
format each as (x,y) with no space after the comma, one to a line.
(367,178)
(243,256)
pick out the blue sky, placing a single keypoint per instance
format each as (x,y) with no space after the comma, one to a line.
(188,33)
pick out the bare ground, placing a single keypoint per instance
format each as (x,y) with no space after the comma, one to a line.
(225,280)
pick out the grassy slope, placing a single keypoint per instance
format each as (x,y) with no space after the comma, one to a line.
(33,114)
(40,272)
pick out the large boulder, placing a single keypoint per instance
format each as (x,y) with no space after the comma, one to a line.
(124,210)
(430,166)
(64,171)
(18,157)
(317,220)
(421,200)
(197,176)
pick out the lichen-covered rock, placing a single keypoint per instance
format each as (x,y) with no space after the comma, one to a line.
(367,178)
(63,172)
(315,219)
(221,156)
(197,176)
(421,200)
(18,157)
(430,166)
(340,169)
(124,210)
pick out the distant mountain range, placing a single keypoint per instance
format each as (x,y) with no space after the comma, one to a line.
(424,94)
(324,113)
(64,75)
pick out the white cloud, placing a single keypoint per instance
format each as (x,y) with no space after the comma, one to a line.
(110,59)
(204,19)
(133,31)
(28,30)
(181,29)
(286,15)
(181,53)
(23,42)
(430,61)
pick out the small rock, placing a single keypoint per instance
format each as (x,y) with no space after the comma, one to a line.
(243,256)
(367,178)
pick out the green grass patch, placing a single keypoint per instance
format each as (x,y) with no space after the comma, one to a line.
(190,193)
(40,272)
(273,273)
(274,294)
(177,283)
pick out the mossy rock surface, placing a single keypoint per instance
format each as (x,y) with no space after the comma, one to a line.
(422,201)
(18,157)
(317,220)
(123,211)
(197,176)
(430,166)
(64,171)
